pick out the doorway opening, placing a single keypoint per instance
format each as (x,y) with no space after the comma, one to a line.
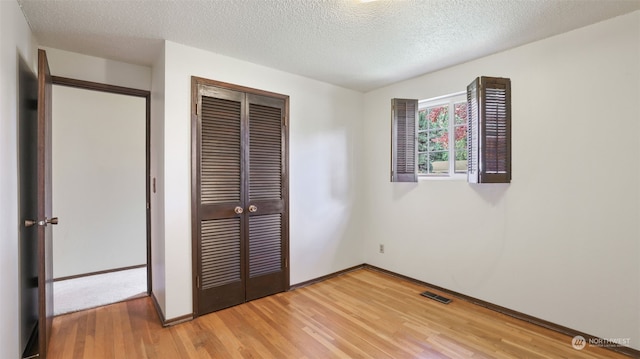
(101,167)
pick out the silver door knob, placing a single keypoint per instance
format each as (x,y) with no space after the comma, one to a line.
(238,210)
(29,222)
(253,208)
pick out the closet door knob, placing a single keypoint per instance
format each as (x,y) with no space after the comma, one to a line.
(253,208)
(238,210)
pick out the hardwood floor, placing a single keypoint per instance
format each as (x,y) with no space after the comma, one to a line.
(361,314)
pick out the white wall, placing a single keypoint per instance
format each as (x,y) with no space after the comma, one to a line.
(324,152)
(158,269)
(561,242)
(15,40)
(96,69)
(98,181)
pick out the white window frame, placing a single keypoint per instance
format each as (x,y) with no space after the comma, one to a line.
(449,99)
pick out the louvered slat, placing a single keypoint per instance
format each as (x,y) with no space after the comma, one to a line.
(404,148)
(265,244)
(265,146)
(496,130)
(220,252)
(472,132)
(220,151)
(404,145)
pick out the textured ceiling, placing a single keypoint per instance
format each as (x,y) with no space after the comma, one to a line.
(350,43)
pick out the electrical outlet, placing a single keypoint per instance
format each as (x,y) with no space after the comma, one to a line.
(381,248)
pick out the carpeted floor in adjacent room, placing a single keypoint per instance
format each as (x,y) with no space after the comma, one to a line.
(72,295)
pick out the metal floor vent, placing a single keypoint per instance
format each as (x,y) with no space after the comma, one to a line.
(436,297)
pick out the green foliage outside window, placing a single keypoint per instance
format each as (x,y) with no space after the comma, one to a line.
(433,137)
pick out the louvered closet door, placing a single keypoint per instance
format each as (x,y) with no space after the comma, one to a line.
(220,183)
(267,227)
(241,196)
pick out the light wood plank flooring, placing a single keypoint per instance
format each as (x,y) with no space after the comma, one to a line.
(361,314)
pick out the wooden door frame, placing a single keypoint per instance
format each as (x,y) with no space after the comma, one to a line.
(195,154)
(119,90)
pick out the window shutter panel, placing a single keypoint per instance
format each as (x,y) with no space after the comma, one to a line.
(489,131)
(404,151)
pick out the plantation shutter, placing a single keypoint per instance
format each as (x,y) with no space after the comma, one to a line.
(489,131)
(404,129)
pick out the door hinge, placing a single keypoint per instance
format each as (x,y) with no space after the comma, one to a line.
(148,205)
(286,262)
(196,109)
(198,281)
(284,121)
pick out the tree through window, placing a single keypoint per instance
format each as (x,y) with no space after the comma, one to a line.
(442,143)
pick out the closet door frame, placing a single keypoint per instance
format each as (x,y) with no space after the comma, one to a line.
(195,182)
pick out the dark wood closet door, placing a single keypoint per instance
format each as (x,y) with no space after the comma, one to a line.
(220,279)
(240,190)
(267,224)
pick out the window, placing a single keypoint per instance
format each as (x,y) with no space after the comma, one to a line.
(454,135)
(442,136)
